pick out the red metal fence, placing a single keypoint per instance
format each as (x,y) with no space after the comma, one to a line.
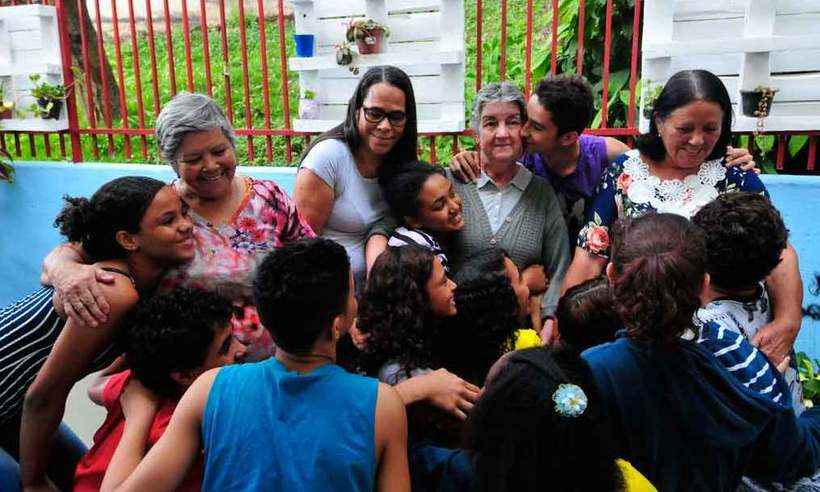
(149,70)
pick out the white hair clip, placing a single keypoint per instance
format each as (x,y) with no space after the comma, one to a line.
(570,400)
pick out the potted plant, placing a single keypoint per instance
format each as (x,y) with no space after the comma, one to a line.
(49,97)
(308,105)
(345,56)
(6,105)
(757,103)
(368,35)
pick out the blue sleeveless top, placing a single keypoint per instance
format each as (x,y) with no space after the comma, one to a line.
(267,428)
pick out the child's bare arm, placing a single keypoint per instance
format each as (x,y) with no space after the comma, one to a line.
(167,463)
(391,442)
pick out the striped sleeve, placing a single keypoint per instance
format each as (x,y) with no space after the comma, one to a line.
(742,359)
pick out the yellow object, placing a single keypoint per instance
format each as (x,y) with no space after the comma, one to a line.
(633,479)
(526,338)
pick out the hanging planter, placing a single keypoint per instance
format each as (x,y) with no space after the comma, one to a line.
(49,97)
(368,35)
(757,103)
(308,106)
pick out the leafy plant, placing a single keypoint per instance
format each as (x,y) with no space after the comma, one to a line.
(361,29)
(46,91)
(6,169)
(309,95)
(809,373)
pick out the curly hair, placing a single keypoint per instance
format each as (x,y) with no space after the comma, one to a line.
(569,99)
(659,265)
(586,315)
(299,289)
(487,316)
(395,313)
(520,443)
(170,333)
(745,236)
(683,88)
(402,188)
(117,206)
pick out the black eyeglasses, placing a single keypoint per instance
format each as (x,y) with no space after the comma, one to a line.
(376,115)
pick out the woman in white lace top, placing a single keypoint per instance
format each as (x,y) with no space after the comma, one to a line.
(678,168)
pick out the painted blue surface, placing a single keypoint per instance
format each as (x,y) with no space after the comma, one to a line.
(29,205)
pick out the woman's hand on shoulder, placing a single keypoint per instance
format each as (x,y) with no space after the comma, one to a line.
(450,393)
(741,157)
(79,294)
(466,166)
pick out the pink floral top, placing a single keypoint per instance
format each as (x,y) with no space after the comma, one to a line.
(227,255)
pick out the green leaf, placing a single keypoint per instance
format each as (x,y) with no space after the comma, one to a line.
(796,144)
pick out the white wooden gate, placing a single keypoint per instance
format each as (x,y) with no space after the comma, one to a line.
(426,41)
(747,43)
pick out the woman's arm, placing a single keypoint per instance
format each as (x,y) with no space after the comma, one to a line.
(314,199)
(68,361)
(78,291)
(785,288)
(442,389)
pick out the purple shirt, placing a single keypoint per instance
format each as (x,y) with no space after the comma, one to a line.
(577,189)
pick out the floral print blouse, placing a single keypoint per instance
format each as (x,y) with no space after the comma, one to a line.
(628,189)
(227,255)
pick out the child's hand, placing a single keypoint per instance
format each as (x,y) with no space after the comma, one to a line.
(536,279)
(138,402)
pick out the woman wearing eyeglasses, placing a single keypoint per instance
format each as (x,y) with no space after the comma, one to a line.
(337,189)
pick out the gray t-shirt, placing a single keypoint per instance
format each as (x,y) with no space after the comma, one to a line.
(358,201)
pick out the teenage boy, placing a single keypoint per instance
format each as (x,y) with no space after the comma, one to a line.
(293,422)
(745,238)
(168,341)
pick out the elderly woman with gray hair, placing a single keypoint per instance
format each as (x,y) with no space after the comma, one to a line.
(237,220)
(508,207)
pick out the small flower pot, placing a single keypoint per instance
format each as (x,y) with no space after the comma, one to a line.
(755,105)
(304,45)
(54,112)
(5,114)
(372,43)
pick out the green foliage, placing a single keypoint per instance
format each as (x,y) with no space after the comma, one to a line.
(46,91)
(809,374)
(6,169)
(360,29)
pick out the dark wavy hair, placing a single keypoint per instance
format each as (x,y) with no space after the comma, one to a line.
(394,310)
(117,206)
(406,149)
(488,316)
(685,87)
(569,99)
(586,316)
(659,265)
(402,187)
(521,444)
(745,236)
(171,332)
(299,290)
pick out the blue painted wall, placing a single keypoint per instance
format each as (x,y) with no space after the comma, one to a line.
(29,205)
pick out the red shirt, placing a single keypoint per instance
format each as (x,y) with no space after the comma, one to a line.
(92,467)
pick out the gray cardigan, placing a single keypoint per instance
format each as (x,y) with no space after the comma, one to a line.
(533,233)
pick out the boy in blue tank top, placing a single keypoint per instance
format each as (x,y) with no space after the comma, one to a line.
(293,422)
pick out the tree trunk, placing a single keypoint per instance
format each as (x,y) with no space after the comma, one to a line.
(75,20)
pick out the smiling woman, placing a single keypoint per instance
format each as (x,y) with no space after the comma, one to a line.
(337,188)
(237,219)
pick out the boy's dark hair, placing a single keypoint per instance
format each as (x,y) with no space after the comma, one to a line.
(745,236)
(520,443)
(569,99)
(299,289)
(171,332)
(586,316)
